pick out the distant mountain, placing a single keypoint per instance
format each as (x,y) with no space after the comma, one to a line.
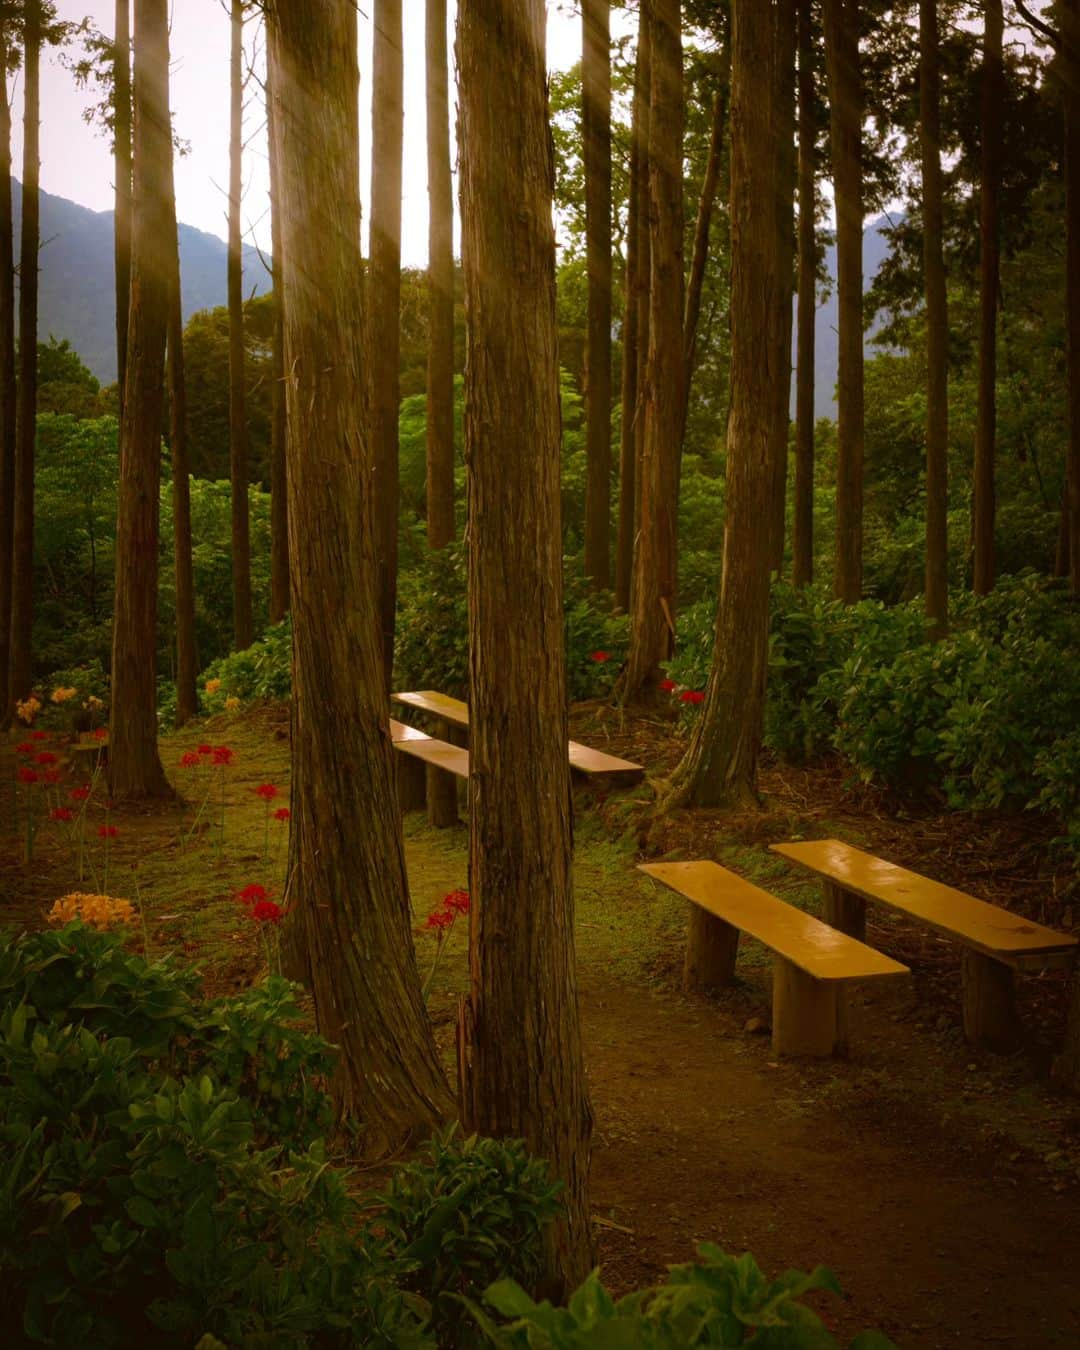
(77,299)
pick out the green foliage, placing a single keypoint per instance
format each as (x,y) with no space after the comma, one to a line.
(718,1300)
(431,641)
(263,670)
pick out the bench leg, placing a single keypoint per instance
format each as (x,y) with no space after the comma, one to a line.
(809,1016)
(411,782)
(990,1018)
(844,911)
(711,945)
(442,803)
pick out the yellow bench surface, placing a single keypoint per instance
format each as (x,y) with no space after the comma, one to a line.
(975,923)
(455,711)
(441,754)
(806,942)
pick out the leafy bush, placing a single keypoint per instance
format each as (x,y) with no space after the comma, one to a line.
(263,670)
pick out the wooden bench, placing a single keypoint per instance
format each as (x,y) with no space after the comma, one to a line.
(996,943)
(419,752)
(812,963)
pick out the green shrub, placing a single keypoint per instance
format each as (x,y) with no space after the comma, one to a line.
(263,670)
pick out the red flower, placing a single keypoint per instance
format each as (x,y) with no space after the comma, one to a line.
(47,757)
(101,734)
(691,696)
(267,911)
(457,902)
(206,749)
(52,776)
(190,759)
(39,735)
(79,794)
(600,656)
(222,755)
(253,894)
(267,791)
(24,748)
(61,813)
(439,918)
(28,775)
(668,686)
(283,813)
(107,831)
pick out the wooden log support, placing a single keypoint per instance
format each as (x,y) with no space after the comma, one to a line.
(990,1017)
(809,1015)
(442,800)
(710,952)
(411,783)
(844,911)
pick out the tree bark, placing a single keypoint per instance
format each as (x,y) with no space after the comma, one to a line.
(937,324)
(784,44)
(135,770)
(8,386)
(349,894)
(1070,48)
(187,656)
(720,765)
(279,508)
(983,492)
(440,371)
(21,661)
(526,1076)
(122,189)
(803,531)
(652,612)
(243,620)
(596,135)
(387,115)
(846,115)
(635,327)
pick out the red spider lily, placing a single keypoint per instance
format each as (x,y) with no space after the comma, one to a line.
(27,775)
(101,734)
(267,791)
(691,696)
(267,911)
(52,776)
(439,919)
(253,894)
(190,759)
(600,656)
(668,686)
(206,749)
(47,757)
(24,748)
(222,755)
(107,831)
(283,814)
(457,902)
(79,794)
(62,813)
(39,735)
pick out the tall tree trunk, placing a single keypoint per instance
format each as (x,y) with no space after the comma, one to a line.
(647,8)
(279,508)
(784,44)
(526,1076)
(652,613)
(803,541)
(440,371)
(243,621)
(387,114)
(122,188)
(596,135)
(635,327)
(720,765)
(349,889)
(8,387)
(22,580)
(1070,32)
(983,493)
(134,765)
(937,323)
(187,657)
(846,115)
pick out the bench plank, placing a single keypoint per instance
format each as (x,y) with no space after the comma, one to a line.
(985,927)
(596,763)
(440,754)
(797,937)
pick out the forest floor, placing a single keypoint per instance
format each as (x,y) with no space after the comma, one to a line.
(941,1184)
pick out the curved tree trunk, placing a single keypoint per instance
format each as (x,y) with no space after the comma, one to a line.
(122,188)
(720,765)
(652,610)
(349,892)
(983,493)
(8,387)
(937,324)
(784,44)
(526,1076)
(440,371)
(21,664)
(387,114)
(243,621)
(803,532)
(134,765)
(846,116)
(596,134)
(279,508)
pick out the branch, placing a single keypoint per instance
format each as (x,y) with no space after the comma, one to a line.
(1038,25)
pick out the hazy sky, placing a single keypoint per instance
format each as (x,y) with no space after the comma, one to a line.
(75,160)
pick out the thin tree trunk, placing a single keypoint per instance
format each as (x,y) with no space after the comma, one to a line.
(983,492)
(349,891)
(784,45)
(243,620)
(187,657)
(279,509)
(720,765)
(122,188)
(8,387)
(937,324)
(440,371)
(387,113)
(645,293)
(526,1076)
(22,581)
(846,115)
(1070,32)
(134,765)
(652,613)
(596,134)
(803,541)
